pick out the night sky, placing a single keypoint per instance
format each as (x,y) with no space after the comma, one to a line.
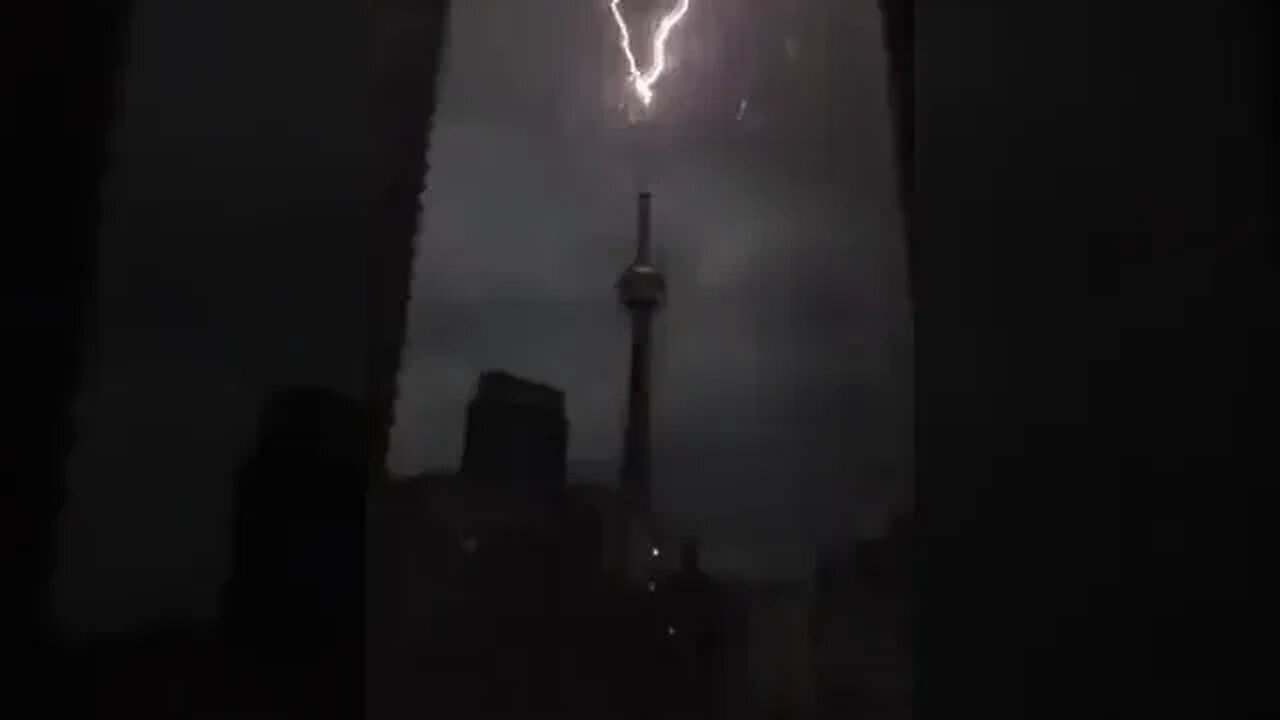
(783,358)
(234,260)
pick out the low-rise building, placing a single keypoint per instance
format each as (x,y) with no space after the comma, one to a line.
(864,619)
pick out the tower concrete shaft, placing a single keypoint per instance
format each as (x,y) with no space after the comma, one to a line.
(641,289)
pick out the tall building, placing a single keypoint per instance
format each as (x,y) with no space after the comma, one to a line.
(641,289)
(517,436)
(297,573)
(768,649)
(864,627)
(694,608)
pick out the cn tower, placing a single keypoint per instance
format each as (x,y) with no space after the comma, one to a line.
(641,289)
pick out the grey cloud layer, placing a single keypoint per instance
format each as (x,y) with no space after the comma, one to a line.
(782,377)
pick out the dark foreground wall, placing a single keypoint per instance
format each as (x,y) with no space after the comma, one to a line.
(232,258)
(297,575)
(1086,265)
(55,103)
(259,204)
(232,247)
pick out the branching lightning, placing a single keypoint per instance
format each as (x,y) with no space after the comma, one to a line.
(642,82)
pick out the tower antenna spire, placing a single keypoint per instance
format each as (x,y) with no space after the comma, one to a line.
(644,240)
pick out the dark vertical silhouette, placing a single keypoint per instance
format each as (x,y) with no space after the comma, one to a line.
(408,41)
(640,288)
(864,624)
(517,436)
(297,579)
(1089,301)
(60,70)
(899,40)
(695,608)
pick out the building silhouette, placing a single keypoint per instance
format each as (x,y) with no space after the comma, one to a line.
(517,436)
(864,616)
(767,652)
(694,607)
(297,569)
(493,583)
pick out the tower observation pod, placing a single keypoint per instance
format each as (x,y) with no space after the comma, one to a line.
(640,289)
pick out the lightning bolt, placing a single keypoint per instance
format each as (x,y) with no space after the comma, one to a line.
(642,81)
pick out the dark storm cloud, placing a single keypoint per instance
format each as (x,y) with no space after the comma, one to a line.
(782,376)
